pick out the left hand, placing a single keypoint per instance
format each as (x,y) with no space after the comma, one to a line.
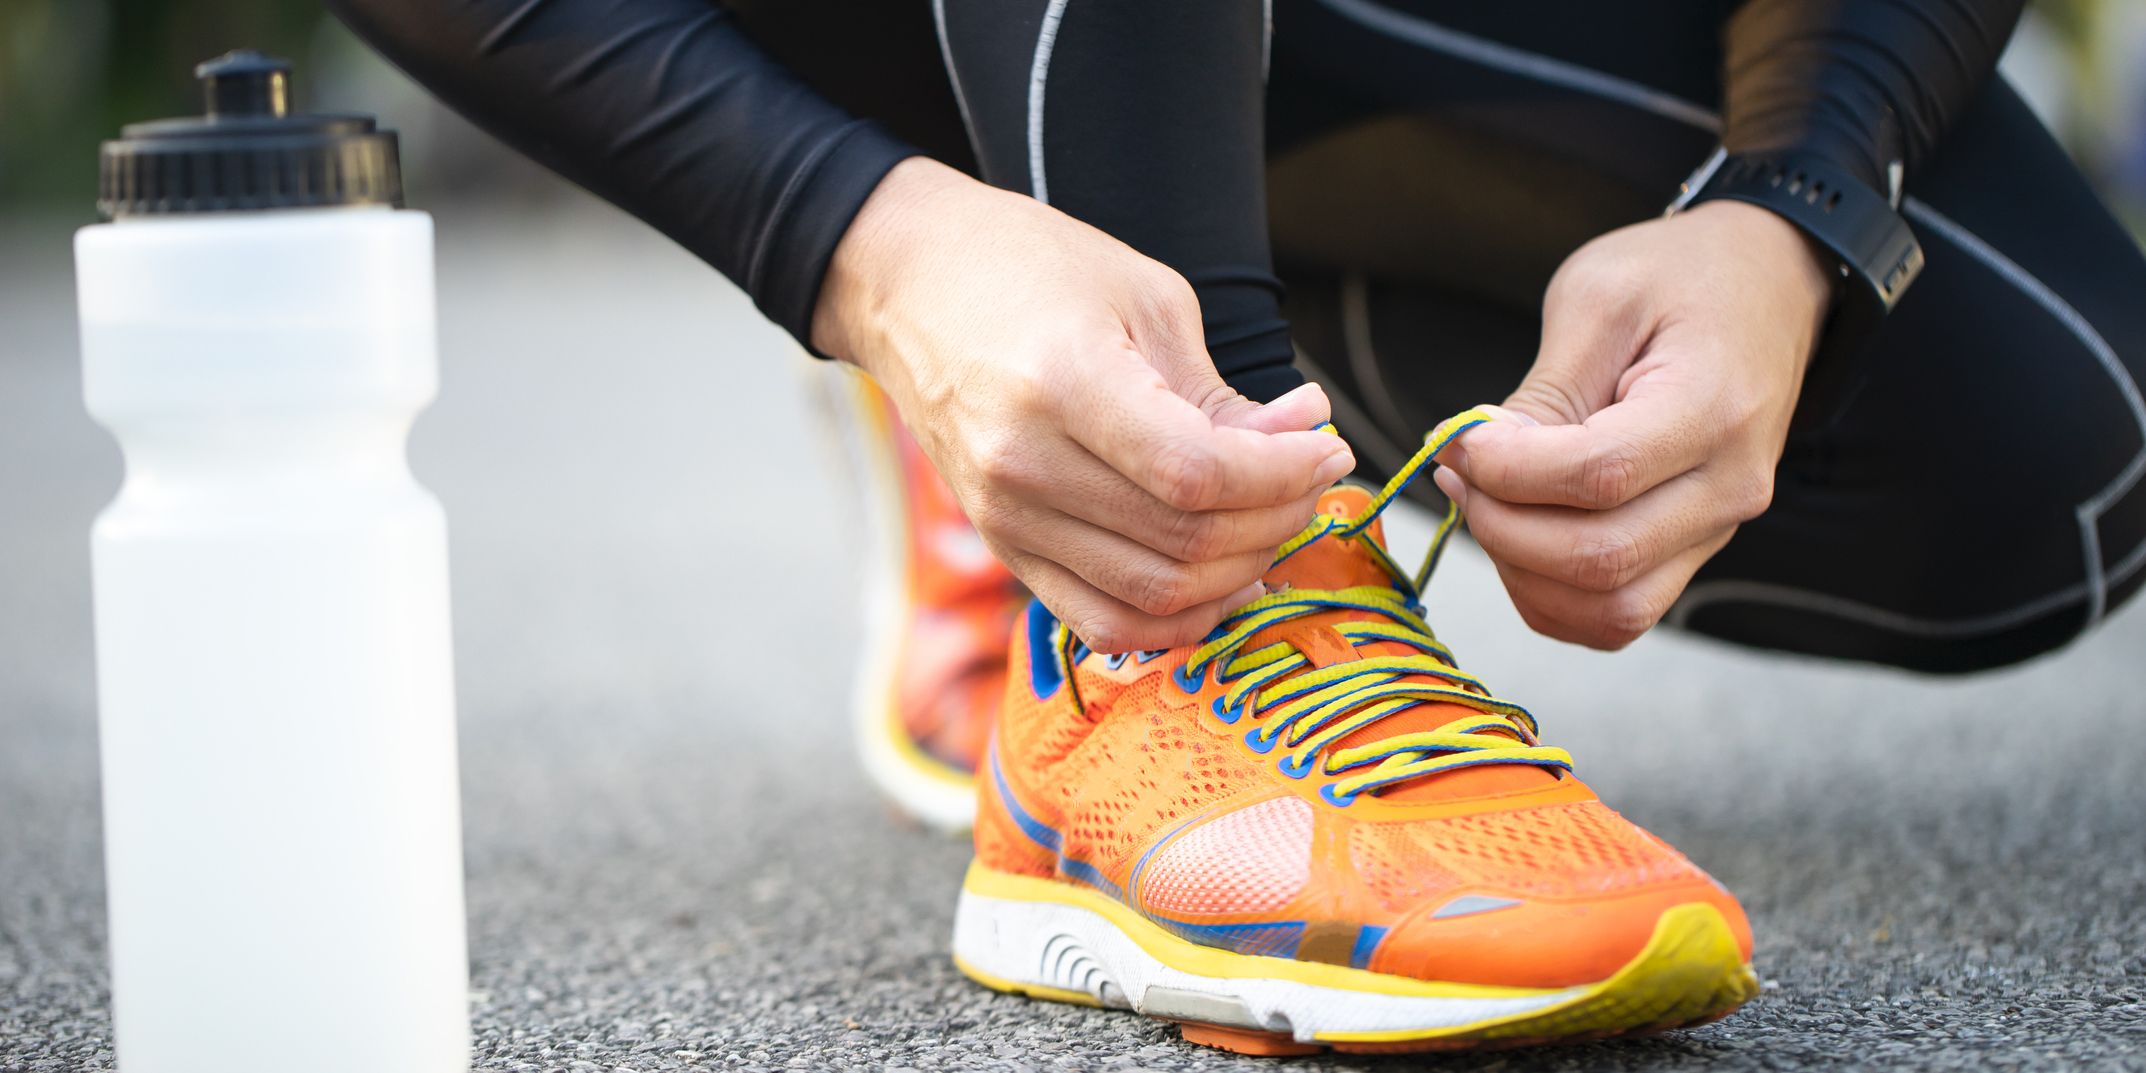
(1649,428)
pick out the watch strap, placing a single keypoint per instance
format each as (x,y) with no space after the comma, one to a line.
(1879,256)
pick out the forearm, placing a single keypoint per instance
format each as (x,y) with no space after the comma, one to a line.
(662,107)
(1861,83)
(1148,124)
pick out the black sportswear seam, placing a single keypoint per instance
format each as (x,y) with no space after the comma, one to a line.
(494,39)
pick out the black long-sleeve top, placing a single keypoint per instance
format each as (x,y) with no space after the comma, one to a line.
(670,110)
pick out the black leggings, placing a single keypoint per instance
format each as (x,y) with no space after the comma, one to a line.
(1415,170)
(1425,168)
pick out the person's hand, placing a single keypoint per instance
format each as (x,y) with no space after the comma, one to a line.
(1059,381)
(1651,423)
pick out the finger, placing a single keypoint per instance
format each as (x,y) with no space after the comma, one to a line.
(1149,581)
(1130,419)
(1085,488)
(1611,620)
(1302,407)
(1105,624)
(1610,459)
(1599,550)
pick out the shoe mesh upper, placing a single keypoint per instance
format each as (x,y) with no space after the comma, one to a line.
(1253,860)
(1554,851)
(1139,773)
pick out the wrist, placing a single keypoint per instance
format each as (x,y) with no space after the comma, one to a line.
(850,315)
(1805,272)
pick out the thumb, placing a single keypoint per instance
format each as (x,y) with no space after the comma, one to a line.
(1585,349)
(1301,407)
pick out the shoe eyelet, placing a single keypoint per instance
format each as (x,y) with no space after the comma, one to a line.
(1334,799)
(1190,683)
(1114,660)
(1226,714)
(1295,772)
(1257,743)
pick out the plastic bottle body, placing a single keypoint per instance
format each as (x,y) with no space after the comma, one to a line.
(282,821)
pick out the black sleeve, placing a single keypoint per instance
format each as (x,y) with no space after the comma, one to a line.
(664,108)
(1862,83)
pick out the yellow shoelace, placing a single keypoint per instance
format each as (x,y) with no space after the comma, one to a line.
(1306,713)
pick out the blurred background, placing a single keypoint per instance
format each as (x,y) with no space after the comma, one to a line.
(673,861)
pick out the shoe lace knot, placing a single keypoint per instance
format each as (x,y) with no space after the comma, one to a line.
(1307,710)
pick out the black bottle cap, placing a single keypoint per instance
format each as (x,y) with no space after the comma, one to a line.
(248,152)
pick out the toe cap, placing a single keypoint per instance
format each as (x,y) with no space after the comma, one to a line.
(1543,943)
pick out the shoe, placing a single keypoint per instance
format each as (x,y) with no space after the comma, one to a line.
(1315,831)
(940,609)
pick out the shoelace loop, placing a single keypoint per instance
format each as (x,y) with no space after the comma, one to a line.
(1308,711)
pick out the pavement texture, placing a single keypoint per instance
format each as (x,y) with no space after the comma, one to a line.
(656,558)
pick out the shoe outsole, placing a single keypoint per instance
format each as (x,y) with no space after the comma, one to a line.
(930,791)
(1052,940)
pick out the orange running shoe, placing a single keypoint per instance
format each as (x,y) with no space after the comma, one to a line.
(941,608)
(1315,831)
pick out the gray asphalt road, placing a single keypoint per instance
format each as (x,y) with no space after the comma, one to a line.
(674,864)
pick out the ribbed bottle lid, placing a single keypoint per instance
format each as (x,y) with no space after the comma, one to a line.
(248,152)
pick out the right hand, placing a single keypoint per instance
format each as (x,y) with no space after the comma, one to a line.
(1059,382)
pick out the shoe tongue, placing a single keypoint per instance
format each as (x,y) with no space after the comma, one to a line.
(1334,563)
(1331,562)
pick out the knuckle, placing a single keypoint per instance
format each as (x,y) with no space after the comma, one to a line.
(1196,537)
(1593,275)
(997,458)
(1187,478)
(1754,495)
(1603,564)
(1608,477)
(1171,299)
(1623,616)
(1164,589)
(1034,385)
(1103,632)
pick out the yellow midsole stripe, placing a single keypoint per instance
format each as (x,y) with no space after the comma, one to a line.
(1683,918)
(1042,991)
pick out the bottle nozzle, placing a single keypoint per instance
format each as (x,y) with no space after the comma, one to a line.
(245,83)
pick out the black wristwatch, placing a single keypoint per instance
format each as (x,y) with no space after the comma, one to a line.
(1877,256)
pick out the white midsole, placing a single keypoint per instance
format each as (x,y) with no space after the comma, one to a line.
(1067,948)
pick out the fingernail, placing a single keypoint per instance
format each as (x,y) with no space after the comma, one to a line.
(1244,596)
(1336,466)
(1289,394)
(1503,414)
(1451,484)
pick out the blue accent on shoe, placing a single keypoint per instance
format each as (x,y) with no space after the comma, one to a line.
(1295,772)
(1133,882)
(1089,874)
(1189,683)
(1334,799)
(1277,939)
(1367,942)
(1259,744)
(1044,677)
(1045,835)
(1227,715)
(1040,833)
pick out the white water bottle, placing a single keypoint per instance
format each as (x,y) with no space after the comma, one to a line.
(282,826)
